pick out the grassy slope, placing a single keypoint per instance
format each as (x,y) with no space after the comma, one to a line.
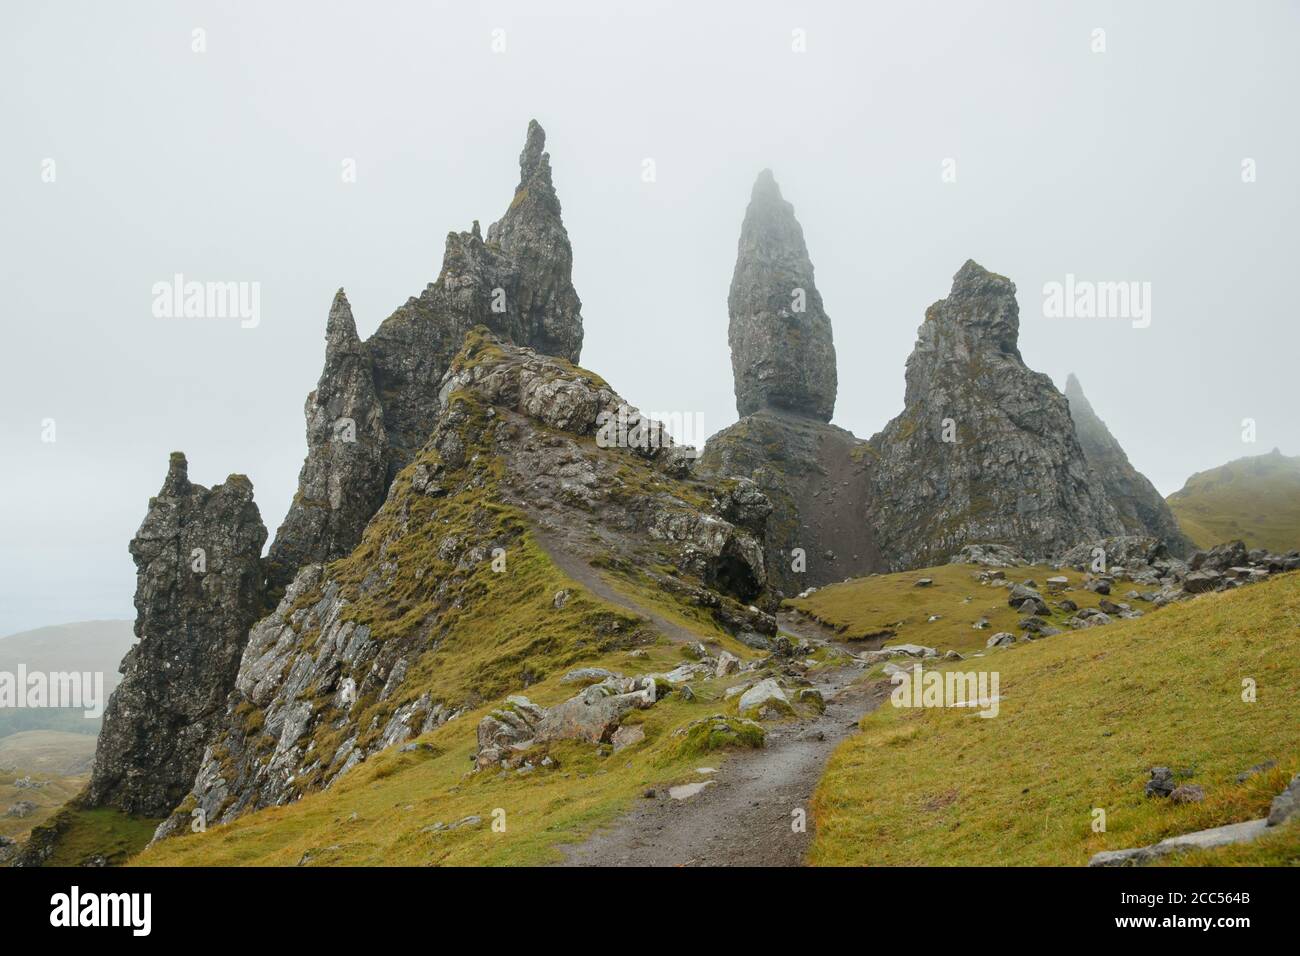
(1083,717)
(1255,499)
(394,795)
(48,798)
(864,606)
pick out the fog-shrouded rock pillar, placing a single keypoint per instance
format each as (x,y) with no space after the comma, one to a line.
(783,360)
(199,588)
(345,475)
(782,353)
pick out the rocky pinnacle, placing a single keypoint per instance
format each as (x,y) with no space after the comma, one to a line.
(518,282)
(782,353)
(344,477)
(1140,506)
(985,449)
(198,590)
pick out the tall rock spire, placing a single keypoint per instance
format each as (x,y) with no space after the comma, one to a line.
(518,283)
(345,475)
(984,450)
(1140,506)
(813,474)
(782,353)
(198,590)
(377,401)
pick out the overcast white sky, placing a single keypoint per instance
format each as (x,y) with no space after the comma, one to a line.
(225,165)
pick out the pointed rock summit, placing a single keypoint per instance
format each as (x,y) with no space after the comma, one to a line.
(377,401)
(985,449)
(782,353)
(783,358)
(1140,506)
(198,590)
(345,475)
(518,283)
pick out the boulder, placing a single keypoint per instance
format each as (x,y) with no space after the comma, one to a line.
(765,699)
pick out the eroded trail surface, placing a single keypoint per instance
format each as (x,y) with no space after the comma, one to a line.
(743,815)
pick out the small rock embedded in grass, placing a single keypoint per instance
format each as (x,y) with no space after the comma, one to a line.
(1161,783)
(1257,769)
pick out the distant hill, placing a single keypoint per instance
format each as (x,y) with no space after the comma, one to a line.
(1256,499)
(83,646)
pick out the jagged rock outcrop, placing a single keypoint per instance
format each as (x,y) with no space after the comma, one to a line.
(783,359)
(517,469)
(782,353)
(517,282)
(985,449)
(199,587)
(1140,506)
(345,476)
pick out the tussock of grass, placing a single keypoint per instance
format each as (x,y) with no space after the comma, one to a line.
(102,832)
(724,734)
(1083,717)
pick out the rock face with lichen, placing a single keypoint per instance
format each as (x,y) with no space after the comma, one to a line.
(782,354)
(985,449)
(345,476)
(517,282)
(783,360)
(199,587)
(352,660)
(1140,506)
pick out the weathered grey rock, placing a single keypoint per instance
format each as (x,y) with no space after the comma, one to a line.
(199,586)
(627,736)
(518,283)
(1000,639)
(1161,783)
(782,354)
(728,663)
(765,699)
(507,728)
(1286,804)
(1020,593)
(588,675)
(1014,472)
(1141,508)
(1199,840)
(987,555)
(345,475)
(815,478)
(1198,582)
(591,716)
